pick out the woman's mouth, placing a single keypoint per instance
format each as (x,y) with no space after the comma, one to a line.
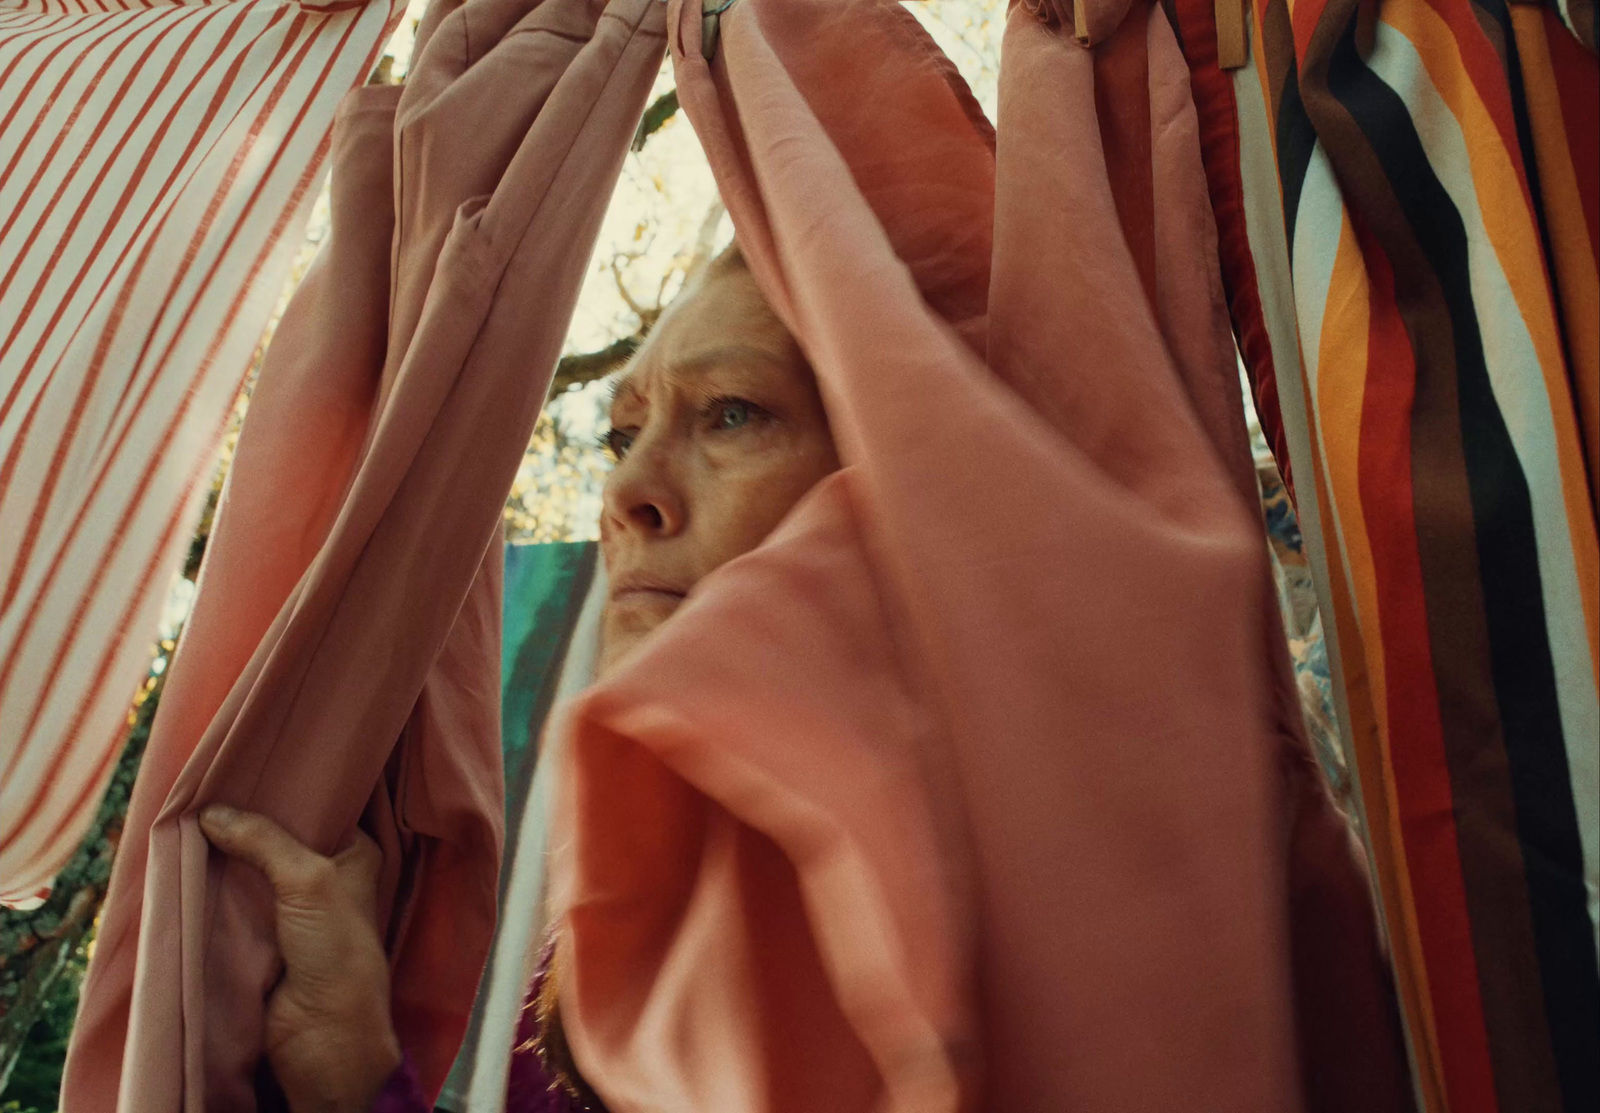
(635,586)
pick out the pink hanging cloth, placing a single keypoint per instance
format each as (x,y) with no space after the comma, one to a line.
(980,784)
(343,660)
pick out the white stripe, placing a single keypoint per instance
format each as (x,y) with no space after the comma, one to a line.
(1269,251)
(1316,245)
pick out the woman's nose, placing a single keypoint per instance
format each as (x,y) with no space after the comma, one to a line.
(642,494)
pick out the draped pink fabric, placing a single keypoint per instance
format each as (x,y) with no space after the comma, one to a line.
(980,783)
(342,663)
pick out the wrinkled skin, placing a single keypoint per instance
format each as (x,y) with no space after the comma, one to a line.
(718,430)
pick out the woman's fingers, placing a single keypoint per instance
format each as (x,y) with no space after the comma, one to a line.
(298,874)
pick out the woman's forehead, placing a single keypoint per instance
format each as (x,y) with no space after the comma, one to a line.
(721,329)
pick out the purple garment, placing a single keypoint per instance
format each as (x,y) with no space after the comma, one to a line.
(529,1087)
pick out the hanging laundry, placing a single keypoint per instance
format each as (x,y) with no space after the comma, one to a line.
(1406,197)
(1560,87)
(343,659)
(157,163)
(981,784)
(553,598)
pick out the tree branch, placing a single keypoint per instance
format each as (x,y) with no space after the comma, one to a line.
(664,108)
(585,367)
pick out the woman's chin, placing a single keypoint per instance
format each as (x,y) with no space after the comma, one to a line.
(629,621)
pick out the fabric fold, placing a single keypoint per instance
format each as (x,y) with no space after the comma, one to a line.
(373,695)
(987,740)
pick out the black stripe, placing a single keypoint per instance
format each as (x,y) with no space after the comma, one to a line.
(1523,672)
(1297,138)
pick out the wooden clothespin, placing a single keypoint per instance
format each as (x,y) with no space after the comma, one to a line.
(711,25)
(1233,33)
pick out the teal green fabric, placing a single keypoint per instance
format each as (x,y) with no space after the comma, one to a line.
(544,589)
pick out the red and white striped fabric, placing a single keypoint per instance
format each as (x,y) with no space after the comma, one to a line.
(157,163)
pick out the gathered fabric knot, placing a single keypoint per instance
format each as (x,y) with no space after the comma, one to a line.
(1091,21)
(1052,13)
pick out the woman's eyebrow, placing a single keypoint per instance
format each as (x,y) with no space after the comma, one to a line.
(619,388)
(728,355)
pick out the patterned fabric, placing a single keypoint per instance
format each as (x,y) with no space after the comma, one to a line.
(1405,193)
(156,165)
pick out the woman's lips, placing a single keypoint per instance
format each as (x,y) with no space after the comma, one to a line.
(644,587)
(643,594)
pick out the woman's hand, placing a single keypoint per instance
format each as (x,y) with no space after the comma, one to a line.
(328,1034)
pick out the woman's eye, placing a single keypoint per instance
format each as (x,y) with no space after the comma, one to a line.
(617,442)
(731,413)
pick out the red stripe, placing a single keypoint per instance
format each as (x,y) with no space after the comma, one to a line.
(1577,82)
(109,224)
(133,507)
(1416,735)
(47,163)
(307,177)
(68,748)
(298,24)
(55,852)
(17,21)
(1217,109)
(302,25)
(125,294)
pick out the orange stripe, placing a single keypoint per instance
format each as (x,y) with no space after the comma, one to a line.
(1339,398)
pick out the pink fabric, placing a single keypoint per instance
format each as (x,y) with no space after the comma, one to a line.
(978,785)
(350,596)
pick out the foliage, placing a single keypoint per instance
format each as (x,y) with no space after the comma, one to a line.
(44,952)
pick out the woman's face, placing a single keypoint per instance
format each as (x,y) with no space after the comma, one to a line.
(718,431)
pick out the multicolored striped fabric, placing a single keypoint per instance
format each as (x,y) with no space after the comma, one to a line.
(1405,193)
(157,162)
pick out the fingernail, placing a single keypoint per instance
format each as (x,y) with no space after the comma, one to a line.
(219,816)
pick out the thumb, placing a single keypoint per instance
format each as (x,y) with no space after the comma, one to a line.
(359,866)
(298,874)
